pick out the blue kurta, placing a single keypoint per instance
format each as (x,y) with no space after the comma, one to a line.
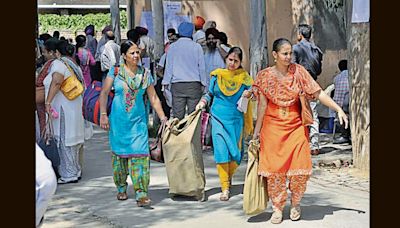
(128,128)
(227,124)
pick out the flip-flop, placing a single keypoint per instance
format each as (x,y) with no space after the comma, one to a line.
(276,217)
(295,213)
(224,195)
(122,196)
(143,202)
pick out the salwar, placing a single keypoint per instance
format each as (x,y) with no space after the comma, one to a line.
(277,189)
(225,173)
(69,168)
(80,159)
(137,168)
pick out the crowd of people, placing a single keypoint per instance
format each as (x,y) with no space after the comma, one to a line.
(198,70)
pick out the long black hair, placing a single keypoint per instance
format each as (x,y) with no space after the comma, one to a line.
(51,44)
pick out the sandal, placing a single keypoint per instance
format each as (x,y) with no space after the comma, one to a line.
(62,181)
(122,196)
(295,213)
(144,201)
(224,195)
(276,217)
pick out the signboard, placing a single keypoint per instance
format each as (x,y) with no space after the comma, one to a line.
(172,18)
(360,11)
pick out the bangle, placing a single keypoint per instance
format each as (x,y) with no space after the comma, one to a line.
(103,113)
(47,103)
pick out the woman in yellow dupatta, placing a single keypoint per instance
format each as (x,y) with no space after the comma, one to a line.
(230,126)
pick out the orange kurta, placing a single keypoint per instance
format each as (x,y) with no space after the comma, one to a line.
(284,141)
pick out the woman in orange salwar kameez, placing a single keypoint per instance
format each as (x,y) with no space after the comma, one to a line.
(284,140)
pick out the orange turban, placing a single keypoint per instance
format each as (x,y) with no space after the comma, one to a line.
(199,22)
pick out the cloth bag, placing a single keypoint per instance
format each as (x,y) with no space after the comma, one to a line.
(255,194)
(88,130)
(156,151)
(49,146)
(183,156)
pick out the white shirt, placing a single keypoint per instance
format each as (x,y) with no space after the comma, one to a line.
(213,60)
(147,44)
(46,183)
(199,34)
(185,63)
(110,55)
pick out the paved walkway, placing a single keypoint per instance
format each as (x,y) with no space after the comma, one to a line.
(334,197)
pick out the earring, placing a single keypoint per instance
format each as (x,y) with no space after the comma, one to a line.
(274,60)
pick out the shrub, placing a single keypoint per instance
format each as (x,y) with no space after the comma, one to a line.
(75,22)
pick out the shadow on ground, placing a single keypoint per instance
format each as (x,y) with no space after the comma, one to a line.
(308,213)
(95,196)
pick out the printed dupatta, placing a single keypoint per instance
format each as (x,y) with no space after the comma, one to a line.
(141,80)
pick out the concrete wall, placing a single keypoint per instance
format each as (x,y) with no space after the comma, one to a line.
(327,18)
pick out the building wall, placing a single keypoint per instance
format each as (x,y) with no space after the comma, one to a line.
(327,18)
(232,17)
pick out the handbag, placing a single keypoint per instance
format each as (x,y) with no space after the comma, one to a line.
(48,144)
(206,139)
(40,97)
(306,112)
(91,102)
(206,126)
(71,86)
(156,152)
(255,194)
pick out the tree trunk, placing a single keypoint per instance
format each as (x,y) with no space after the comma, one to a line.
(130,11)
(359,81)
(158,26)
(115,20)
(258,37)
